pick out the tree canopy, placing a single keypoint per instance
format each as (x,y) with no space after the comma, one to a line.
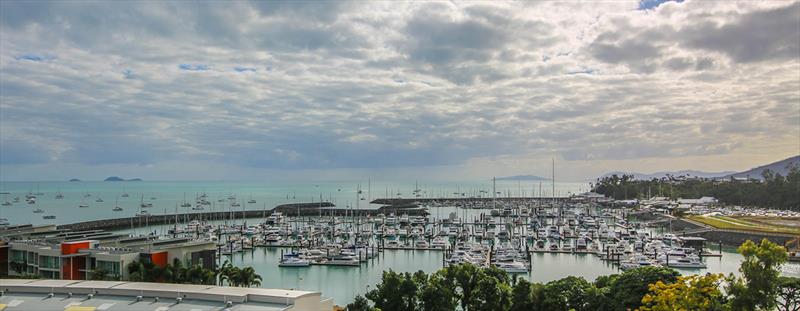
(774,191)
(468,287)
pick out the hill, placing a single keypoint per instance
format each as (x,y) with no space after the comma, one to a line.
(659,175)
(781,167)
(115,178)
(522,177)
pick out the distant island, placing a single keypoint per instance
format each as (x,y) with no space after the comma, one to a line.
(115,178)
(522,177)
(74,180)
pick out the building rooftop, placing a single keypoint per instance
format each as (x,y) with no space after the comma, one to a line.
(23,294)
(34,302)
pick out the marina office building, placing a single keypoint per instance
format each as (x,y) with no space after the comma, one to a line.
(76,255)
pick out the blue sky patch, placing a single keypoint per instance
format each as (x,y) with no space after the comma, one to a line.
(191,67)
(652,4)
(32,57)
(244,69)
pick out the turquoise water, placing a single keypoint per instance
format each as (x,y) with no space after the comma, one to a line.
(169,195)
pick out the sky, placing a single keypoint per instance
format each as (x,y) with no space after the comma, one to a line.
(394,90)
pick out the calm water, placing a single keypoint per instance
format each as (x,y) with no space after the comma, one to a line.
(169,195)
(341,283)
(344,283)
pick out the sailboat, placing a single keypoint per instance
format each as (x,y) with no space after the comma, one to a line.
(124,194)
(83,204)
(145,205)
(116,206)
(38,210)
(251,201)
(5,202)
(142,211)
(59,196)
(99,200)
(185,204)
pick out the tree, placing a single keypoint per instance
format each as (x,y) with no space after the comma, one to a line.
(359,304)
(228,273)
(466,278)
(788,294)
(522,296)
(758,287)
(395,292)
(100,275)
(627,289)
(491,293)
(566,294)
(688,293)
(248,277)
(438,294)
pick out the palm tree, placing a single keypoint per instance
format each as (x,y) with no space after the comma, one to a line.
(209,277)
(136,271)
(195,274)
(175,273)
(99,274)
(249,277)
(227,273)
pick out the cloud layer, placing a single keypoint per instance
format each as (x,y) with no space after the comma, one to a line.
(338,85)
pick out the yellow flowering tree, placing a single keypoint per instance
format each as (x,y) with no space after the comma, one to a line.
(688,293)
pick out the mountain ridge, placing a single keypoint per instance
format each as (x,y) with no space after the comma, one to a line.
(779,167)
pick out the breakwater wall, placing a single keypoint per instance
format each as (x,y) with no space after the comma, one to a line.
(391,201)
(138,221)
(293,209)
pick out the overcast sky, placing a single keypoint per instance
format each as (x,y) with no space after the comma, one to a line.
(429,90)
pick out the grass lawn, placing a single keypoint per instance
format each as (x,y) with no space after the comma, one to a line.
(724,222)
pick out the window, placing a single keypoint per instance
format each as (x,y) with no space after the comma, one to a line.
(17,256)
(112,267)
(49,262)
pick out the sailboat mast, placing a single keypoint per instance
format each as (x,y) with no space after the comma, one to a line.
(494,192)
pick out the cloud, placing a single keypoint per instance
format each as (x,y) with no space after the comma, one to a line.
(295,85)
(752,37)
(763,34)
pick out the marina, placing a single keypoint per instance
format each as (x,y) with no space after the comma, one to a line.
(298,245)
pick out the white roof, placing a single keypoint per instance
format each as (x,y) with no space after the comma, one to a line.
(95,284)
(236,291)
(165,287)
